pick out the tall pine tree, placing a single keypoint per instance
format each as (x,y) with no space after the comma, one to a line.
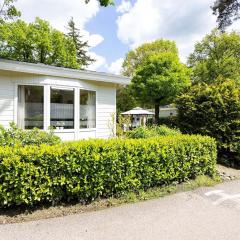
(82,56)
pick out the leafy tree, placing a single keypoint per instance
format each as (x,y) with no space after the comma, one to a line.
(8,10)
(159,79)
(81,46)
(213,110)
(216,55)
(135,57)
(37,42)
(125,99)
(103,3)
(42,39)
(227,11)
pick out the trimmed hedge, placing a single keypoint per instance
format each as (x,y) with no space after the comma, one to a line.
(90,169)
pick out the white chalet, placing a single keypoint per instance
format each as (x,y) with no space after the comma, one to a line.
(76,103)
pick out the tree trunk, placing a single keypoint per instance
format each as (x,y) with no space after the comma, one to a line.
(157,106)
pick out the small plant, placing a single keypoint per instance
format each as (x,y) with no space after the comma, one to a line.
(120,128)
(123,123)
(13,136)
(154,131)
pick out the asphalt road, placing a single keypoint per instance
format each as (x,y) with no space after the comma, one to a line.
(206,213)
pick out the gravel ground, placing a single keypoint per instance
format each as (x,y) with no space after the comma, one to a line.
(227,173)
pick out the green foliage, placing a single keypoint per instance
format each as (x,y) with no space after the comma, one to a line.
(213,110)
(121,122)
(227,11)
(103,3)
(136,57)
(171,121)
(154,131)
(81,46)
(8,10)
(217,55)
(90,169)
(37,42)
(14,136)
(159,79)
(125,99)
(157,76)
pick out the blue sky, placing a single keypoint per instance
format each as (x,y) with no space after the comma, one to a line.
(105,24)
(115,30)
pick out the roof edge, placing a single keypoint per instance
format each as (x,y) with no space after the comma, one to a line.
(47,70)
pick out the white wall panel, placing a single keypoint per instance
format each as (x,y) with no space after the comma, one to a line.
(105,94)
(6,100)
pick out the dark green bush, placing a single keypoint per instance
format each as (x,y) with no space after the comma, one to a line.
(14,136)
(154,131)
(90,169)
(169,121)
(213,110)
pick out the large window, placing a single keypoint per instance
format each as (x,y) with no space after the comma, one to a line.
(87,109)
(30,107)
(62,109)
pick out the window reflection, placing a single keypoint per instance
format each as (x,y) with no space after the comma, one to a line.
(87,109)
(62,109)
(30,107)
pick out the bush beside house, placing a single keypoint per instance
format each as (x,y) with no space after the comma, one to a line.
(90,169)
(14,136)
(214,110)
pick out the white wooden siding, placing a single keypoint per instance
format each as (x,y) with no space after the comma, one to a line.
(105,101)
(106,110)
(6,100)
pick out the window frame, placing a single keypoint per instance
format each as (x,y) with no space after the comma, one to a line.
(87,129)
(16,101)
(47,105)
(54,87)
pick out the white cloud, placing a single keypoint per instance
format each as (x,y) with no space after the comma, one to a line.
(94,40)
(59,12)
(185,21)
(124,7)
(100,62)
(116,66)
(235,26)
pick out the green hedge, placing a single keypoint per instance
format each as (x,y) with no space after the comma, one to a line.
(87,170)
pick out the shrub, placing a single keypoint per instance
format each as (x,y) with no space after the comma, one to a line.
(213,110)
(154,131)
(170,121)
(121,122)
(90,169)
(14,136)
